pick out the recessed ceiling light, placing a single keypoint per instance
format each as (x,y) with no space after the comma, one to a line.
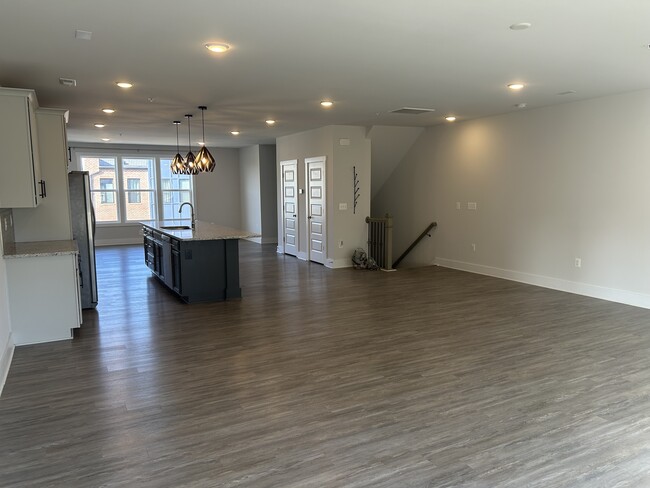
(520,105)
(270,122)
(326,103)
(201,143)
(568,92)
(124,84)
(100,126)
(234,132)
(520,26)
(516,86)
(217,47)
(108,110)
(450,118)
(105,139)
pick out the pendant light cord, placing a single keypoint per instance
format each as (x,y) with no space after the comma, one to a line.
(189,134)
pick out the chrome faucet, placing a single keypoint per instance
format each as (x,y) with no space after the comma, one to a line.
(180,209)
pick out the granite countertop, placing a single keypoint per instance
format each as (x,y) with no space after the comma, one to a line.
(40,248)
(204,231)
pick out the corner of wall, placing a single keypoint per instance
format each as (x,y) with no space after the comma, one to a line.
(5,361)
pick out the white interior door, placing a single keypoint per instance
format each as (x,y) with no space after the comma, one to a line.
(290,206)
(316,209)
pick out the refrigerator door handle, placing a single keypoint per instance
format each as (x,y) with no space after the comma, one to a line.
(92,216)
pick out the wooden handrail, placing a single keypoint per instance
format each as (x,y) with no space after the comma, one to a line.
(415,243)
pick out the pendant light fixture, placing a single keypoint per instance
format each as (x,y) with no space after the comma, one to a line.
(190,160)
(204,159)
(177,165)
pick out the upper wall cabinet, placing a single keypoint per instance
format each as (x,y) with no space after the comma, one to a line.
(21,185)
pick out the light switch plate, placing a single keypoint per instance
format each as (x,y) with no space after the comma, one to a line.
(343,206)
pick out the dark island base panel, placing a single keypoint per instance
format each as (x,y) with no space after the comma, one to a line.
(196,271)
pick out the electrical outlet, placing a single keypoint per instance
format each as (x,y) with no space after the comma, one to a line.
(457,205)
(578,263)
(471,205)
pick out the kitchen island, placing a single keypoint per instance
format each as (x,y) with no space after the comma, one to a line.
(200,264)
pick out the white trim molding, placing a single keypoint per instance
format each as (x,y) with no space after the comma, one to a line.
(626,297)
(338,263)
(5,361)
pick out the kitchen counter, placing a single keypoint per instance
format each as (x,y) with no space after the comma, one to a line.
(40,248)
(199,265)
(203,231)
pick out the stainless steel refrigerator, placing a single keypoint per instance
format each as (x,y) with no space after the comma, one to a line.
(83,231)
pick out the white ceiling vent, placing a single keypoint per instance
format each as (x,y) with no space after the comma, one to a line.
(412,110)
(68,82)
(82,34)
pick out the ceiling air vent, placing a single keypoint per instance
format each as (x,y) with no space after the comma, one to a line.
(412,110)
(68,82)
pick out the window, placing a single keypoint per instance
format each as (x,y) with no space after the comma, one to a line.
(106,184)
(129,189)
(138,175)
(176,189)
(132,196)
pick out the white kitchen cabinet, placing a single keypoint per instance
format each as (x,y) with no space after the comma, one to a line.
(21,184)
(50,221)
(43,291)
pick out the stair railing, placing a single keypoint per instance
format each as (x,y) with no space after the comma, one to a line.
(415,243)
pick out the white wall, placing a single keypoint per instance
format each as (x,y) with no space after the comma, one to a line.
(342,225)
(217,194)
(551,185)
(389,146)
(250,196)
(6,342)
(349,225)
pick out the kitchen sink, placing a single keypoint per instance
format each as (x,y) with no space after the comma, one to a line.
(175,227)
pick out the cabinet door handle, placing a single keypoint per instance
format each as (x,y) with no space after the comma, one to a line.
(43,189)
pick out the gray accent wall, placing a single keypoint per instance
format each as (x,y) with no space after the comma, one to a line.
(550,185)
(249,197)
(258,193)
(268,193)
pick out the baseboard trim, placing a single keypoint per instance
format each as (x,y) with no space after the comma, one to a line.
(594,291)
(5,361)
(118,242)
(338,263)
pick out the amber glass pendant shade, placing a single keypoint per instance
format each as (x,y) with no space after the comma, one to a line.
(190,161)
(204,159)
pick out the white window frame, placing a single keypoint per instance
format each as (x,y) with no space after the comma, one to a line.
(121,192)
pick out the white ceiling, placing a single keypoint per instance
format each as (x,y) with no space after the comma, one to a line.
(369,56)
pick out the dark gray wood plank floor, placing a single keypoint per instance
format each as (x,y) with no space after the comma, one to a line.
(318,378)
